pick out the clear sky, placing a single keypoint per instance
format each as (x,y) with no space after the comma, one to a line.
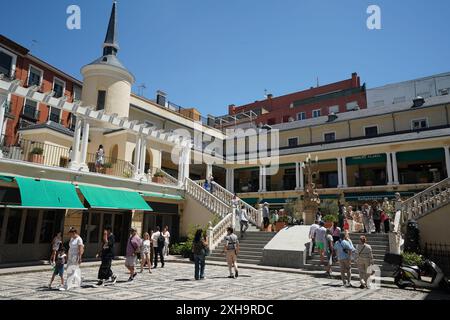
(211,53)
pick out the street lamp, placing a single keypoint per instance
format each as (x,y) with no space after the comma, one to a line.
(311,199)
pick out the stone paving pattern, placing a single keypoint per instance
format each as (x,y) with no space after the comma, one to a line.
(175,281)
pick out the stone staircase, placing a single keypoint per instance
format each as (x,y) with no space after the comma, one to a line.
(251,246)
(380,246)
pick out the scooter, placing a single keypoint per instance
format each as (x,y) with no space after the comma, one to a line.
(412,276)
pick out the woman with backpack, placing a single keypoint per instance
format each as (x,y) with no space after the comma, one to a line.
(200,250)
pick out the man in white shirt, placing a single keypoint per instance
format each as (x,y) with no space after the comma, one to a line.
(158,242)
(166,235)
(312,231)
(243,220)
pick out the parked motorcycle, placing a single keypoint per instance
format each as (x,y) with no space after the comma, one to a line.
(414,276)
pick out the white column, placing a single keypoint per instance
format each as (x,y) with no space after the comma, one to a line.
(3,101)
(302,178)
(143,153)
(75,157)
(187,162)
(297,176)
(230,180)
(344,173)
(208,171)
(339,167)
(394,167)
(447,160)
(263,178)
(84,146)
(389,168)
(137,157)
(181,168)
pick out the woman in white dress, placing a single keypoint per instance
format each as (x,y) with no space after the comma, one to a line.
(76,250)
(145,253)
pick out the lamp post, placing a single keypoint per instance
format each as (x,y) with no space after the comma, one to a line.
(311,199)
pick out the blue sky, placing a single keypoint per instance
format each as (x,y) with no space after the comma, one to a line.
(211,53)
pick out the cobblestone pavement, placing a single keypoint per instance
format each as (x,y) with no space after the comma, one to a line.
(175,281)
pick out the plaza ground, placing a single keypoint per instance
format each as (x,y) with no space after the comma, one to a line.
(175,281)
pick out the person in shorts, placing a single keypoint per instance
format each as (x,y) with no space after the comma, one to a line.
(320,238)
(58,269)
(133,247)
(231,249)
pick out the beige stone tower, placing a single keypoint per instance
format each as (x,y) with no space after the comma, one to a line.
(106,82)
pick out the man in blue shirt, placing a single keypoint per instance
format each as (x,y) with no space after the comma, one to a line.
(344,250)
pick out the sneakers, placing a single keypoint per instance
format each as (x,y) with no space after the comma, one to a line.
(362,286)
(49,286)
(101,283)
(162,266)
(130,279)
(134,275)
(236,274)
(231,276)
(114,279)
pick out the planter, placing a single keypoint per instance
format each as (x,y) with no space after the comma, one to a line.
(328,224)
(37,158)
(108,171)
(279,226)
(159,180)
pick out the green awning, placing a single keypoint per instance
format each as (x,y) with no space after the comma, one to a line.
(367,159)
(105,198)
(250,201)
(162,195)
(48,194)
(328,196)
(367,196)
(421,155)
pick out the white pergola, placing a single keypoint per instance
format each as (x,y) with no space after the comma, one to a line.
(87,116)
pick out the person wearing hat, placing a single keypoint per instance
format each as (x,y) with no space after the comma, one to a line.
(133,249)
(76,250)
(265,214)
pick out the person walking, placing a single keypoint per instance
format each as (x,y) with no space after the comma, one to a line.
(376,216)
(329,249)
(76,250)
(243,220)
(107,255)
(335,232)
(366,217)
(133,249)
(199,248)
(145,253)
(265,214)
(344,251)
(56,242)
(58,269)
(231,249)
(99,159)
(364,261)
(312,232)
(320,236)
(158,246)
(341,215)
(166,235)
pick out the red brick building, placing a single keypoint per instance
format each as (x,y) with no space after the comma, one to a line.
(336,97)
(16,62)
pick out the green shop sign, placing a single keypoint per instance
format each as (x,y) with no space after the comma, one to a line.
(367,159)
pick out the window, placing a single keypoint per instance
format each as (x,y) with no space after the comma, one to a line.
(371,131)
(6,63)
(419,124)
(316,113)
(54,115)
(73,122)
(293,142)
(30,109)
(31,220)
(333,109)
(94,227)
(59,87)
(301,116)
(330,136)
(101,98)
(51,224)
(352,105)
(13,227)
(76,93)
(34,76)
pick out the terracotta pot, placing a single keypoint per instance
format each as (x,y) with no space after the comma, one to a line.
(159,180)
(37,158)
(280,225)
(328,224)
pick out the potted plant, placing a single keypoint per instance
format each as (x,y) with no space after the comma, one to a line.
(369,177)
(281,223)
(423,177)
(37,155)
(158,177)
(107,167)
(329,219)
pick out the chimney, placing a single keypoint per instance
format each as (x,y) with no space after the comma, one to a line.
(269,96)
(418,102)
(161,98)
(232,109)
(355,80)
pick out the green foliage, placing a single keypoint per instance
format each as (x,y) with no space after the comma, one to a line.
(37,150)
(329,207)
(284,219)
(412,259)
(127,174)
(159,174)
(330,218)
(107,165)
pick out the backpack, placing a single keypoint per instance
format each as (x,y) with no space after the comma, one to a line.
(161,240)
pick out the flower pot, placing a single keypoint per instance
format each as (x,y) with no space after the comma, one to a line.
(37,158)
(159,180)
(328,224)
(280,225)
(108,171)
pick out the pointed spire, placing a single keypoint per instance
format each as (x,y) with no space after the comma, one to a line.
(111,45)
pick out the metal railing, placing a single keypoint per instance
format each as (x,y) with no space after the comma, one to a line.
(110,166)
(207,199)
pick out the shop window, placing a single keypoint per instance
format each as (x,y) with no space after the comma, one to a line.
(94,228)
(13,227)
(51,225)
(31,220)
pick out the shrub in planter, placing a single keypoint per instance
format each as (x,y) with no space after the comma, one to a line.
(158,177)
(36,155)
(107,167)
(37,150)
(412,259)
(329,219)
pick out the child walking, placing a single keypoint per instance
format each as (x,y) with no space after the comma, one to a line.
(59,266)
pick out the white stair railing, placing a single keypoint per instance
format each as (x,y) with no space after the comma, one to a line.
(426,201)
(207,199)
(217,233)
